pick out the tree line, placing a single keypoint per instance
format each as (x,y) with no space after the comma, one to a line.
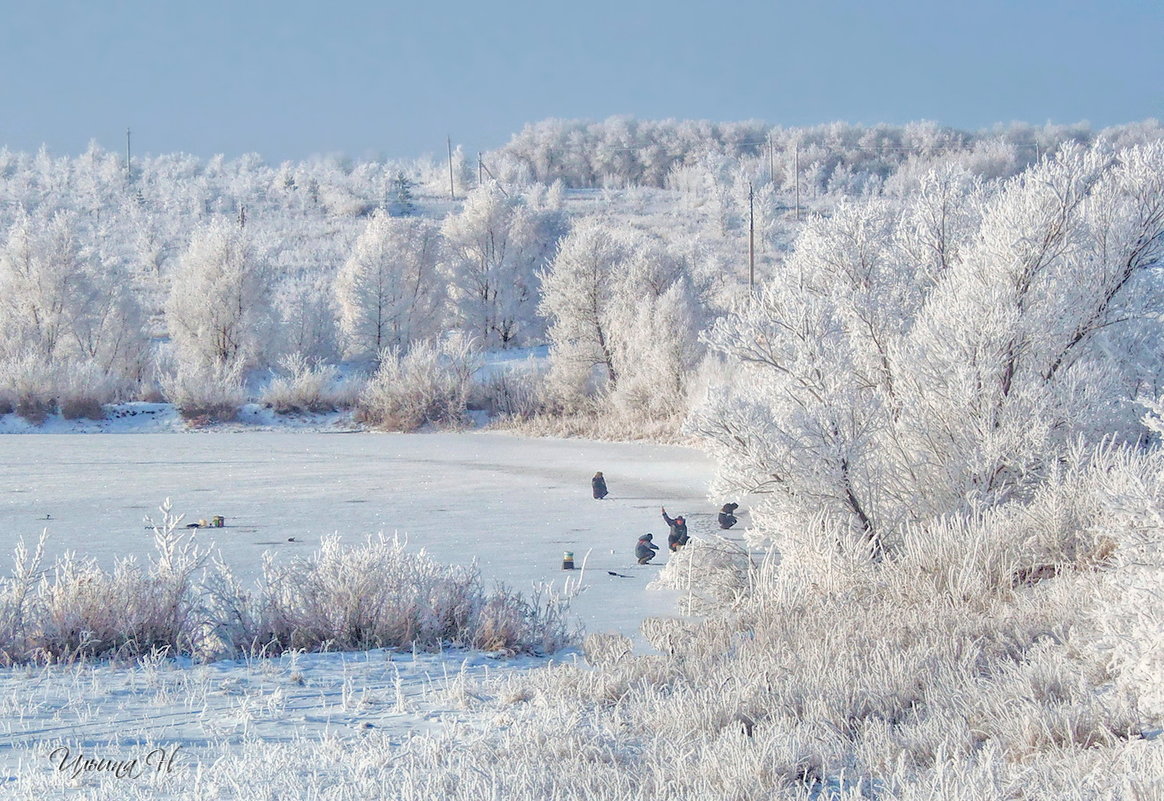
(196,281)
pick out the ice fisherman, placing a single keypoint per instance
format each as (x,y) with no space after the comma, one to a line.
(598,484)
(727,515)
(645,549)
(678,536)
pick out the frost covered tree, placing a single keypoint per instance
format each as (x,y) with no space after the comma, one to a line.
(400,201)
(44,285)
(388,290)
(308,318)
(624,319)
(659,350)
(577,295)
(657,312)
(896,371)
(59,301)
(70,327)
(495,246)
(219,307)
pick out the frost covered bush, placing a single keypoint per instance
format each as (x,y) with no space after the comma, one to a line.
(306,386)
(429,384)
(512,394)
(606,649)
(28,387)
(35,388)
(74,609)
(205,393)
(379,594)
(593,419)
(712,572)
(85,389)
(1129,619)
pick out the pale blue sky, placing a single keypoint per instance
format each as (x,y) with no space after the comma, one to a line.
(293,79)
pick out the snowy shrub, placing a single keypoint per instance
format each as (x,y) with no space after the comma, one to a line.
(593,419)
(207,393)
(428,384)
(341,202)
(81,407)
(28,386)
(602,650)
(84,389)
(35,388)
(712,572)
(1132,607)
(512,623)
(379,594)
(17,596)
(76,610)
(512,394)
(306,386)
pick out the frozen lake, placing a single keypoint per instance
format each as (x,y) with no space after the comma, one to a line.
(515,505)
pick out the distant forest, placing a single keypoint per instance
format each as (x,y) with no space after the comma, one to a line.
(618,244)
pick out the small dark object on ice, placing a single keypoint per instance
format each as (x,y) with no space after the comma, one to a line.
(620,575)
(292,539)
(193,525)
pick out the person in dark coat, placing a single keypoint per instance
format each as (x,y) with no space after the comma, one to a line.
(598,484)
(645,549)
(727,515)
(678,536)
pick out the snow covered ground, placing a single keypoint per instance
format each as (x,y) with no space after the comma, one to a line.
(514,505)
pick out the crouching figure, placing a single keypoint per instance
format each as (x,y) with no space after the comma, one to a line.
(645,549)
(727,515)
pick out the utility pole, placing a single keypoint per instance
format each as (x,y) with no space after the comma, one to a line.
(452,191)
(480,169)
(751,240)
(128,163)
